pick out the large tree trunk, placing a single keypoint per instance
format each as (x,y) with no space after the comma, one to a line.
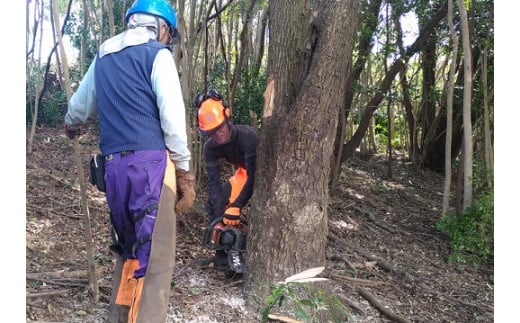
(288,232)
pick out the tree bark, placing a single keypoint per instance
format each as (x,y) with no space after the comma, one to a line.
(288,231)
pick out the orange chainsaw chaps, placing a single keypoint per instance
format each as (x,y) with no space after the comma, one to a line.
(237,182)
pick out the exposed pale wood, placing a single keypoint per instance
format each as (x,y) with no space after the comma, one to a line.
(282,318)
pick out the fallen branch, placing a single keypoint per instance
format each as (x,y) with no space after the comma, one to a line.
(69,282)
(65,274)
(372,300)
(372,219)
(388,267)
(351,304)
(49,293)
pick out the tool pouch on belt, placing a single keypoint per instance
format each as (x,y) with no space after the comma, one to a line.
(97,172)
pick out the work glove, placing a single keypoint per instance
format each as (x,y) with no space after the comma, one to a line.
(185,190)
(232,216)
(72,131)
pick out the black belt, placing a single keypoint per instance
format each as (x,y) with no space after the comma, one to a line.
(121,153)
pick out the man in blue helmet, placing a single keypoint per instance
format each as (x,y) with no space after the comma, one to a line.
(133,87)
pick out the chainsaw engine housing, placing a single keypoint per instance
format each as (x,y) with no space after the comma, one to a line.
(219,236)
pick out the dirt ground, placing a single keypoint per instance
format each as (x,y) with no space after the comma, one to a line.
(385,259)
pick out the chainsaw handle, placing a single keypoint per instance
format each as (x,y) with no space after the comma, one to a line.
(221,218)
(215,221)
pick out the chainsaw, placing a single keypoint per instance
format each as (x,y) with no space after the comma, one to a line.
(230,238)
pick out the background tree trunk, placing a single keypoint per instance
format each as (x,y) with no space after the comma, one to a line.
(288,232)
(468,88)
(85,29)
(243,52)
(449,112)
(488,144)
(110,14)
(88,235)
(38,84)
(368,25)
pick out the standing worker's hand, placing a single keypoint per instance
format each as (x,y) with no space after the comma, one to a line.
(72,132)
(185,190)
(232,216)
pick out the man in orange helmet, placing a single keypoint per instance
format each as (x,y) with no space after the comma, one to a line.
(236,144)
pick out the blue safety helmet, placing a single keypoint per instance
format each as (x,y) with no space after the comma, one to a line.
(161,8)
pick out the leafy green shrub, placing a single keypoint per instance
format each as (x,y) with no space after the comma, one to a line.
(471,234)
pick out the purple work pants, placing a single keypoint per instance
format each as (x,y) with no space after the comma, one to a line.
(133,187)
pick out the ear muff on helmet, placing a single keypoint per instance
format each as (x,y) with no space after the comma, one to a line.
(212,113)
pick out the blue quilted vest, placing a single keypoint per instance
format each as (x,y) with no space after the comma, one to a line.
(127,108)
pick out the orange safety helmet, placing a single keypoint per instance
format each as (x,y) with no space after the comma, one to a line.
(212,114)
